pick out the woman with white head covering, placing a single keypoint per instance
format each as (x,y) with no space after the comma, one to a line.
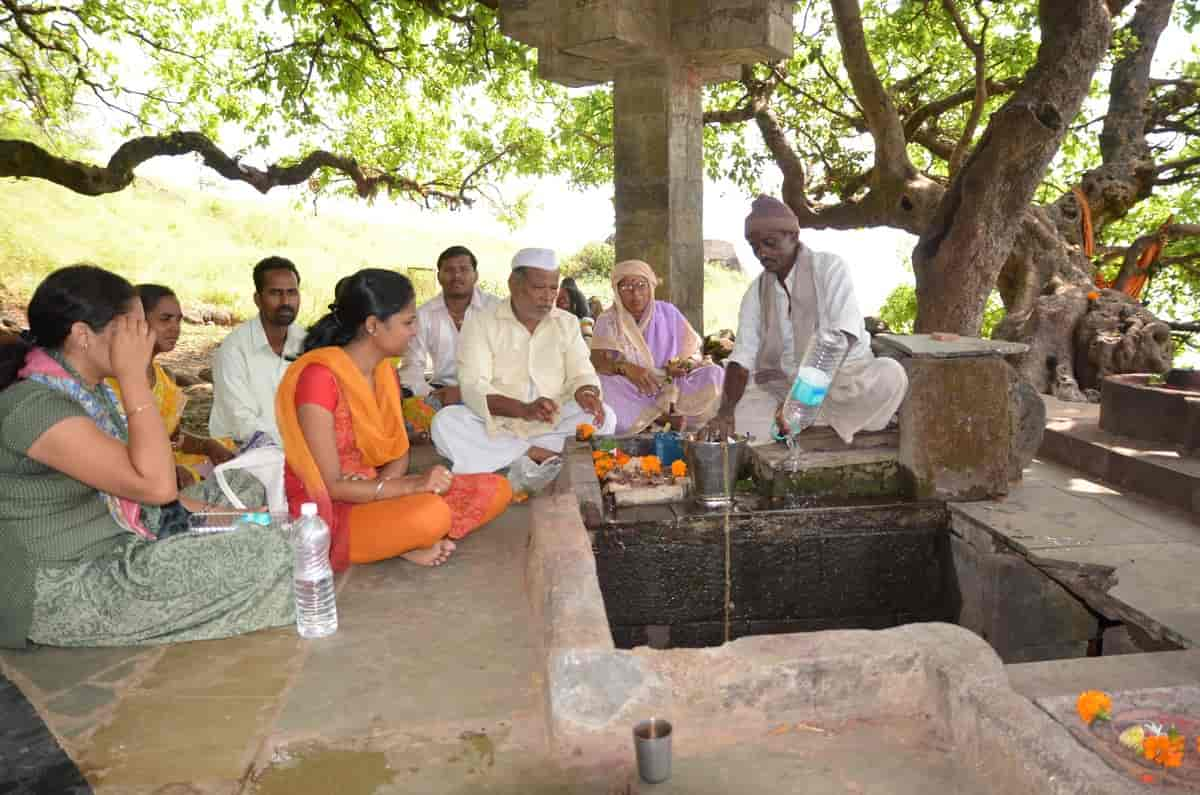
(648,356)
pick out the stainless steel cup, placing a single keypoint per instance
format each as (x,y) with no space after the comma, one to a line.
(652,741)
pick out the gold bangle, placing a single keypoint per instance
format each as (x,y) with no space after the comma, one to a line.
(142,407)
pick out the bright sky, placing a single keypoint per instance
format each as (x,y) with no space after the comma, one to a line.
(566,219)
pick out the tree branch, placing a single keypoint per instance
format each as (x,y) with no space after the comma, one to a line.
(1181,169)
(26,159)
(794,189)
(969,240)
(891,155)
(976,47)
(940,106)
(1123,136)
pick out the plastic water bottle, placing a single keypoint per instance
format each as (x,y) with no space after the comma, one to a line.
(316,610)
(814,377)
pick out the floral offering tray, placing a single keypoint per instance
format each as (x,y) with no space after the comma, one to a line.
(1152,735)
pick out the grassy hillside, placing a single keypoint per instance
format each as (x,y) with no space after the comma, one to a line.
(204,247)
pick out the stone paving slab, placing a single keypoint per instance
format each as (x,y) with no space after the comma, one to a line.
(1058,513)
(923,346)
(1037,517)
(423,657)
(463,624)
(903,757)
(1109,673)
(1160,472)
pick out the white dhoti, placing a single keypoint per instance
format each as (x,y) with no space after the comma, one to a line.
(864,396)
(461,435)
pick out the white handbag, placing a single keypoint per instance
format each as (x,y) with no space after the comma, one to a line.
(264,463)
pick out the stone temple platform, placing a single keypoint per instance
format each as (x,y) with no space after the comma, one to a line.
(496,674)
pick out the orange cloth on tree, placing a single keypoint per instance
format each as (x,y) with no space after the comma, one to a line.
(1085,221)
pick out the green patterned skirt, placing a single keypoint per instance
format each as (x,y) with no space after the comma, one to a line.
(186,587)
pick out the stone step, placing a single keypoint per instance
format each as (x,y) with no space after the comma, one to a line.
(1153,469)
(830,468)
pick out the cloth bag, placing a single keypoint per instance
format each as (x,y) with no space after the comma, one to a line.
(265,463)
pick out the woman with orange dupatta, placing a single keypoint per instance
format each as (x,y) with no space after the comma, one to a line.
(342,425)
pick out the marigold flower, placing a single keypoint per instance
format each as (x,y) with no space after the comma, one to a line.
(598,454)
(584,432)
(417,413)
(1164,750)
(622,457)
(1093,704)
(603,466)
(1093,295)
(678,468)
(651,465)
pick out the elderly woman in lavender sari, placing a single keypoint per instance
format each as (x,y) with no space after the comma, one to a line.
(648,357)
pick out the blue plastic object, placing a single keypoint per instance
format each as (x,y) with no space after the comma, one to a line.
(668,447)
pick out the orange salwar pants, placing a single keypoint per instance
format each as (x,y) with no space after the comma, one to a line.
(385,529)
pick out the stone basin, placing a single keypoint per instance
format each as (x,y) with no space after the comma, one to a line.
(932,684)
(1131,406)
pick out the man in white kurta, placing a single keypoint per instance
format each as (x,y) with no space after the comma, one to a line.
(250,362)
(526,377)
(439,322)
(799,292)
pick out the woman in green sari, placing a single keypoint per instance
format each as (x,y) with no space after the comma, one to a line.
(84,557)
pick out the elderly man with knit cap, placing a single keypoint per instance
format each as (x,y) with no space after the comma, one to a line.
(526,377)
(799,292)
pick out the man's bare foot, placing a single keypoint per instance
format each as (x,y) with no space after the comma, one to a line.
(435,555)
(540,454)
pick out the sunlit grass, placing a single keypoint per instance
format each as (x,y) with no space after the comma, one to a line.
(205,247)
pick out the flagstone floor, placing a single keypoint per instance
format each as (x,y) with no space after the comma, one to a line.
(431,683)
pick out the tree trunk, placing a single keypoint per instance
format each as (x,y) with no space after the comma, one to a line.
(1075,342)
(961,254)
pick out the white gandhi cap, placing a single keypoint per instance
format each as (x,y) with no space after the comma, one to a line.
(541,258)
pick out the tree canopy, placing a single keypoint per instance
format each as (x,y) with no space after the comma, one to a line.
(1029,144)
(426,99)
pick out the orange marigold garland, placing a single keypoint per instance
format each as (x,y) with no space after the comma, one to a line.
(1164,749)
(678,469)
(651,465)
(417,413)
(1093,704)
(603,466)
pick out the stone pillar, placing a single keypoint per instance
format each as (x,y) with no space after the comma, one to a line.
(659,165)
(968,424)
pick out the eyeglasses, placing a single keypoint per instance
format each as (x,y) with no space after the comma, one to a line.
(637,286)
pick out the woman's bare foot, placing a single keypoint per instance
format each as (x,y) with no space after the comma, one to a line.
(435,555)
(540,454)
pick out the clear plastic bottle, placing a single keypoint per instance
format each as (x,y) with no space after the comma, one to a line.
(813,378)
(316,610)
